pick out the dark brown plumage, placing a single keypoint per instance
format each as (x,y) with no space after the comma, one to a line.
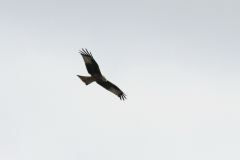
(96,75)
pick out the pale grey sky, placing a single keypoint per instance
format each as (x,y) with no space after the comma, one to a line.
(177,60)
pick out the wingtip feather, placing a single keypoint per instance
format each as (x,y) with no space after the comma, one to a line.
(122,96)
(85,52)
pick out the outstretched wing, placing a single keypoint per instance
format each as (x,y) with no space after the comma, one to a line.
(91,64)
(113,88)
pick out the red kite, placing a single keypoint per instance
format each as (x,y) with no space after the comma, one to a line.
(94,71)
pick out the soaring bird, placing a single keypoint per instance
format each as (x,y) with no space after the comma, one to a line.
(94,71)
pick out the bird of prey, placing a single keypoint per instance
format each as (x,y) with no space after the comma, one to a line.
(94,71)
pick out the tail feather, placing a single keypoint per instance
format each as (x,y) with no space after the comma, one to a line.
(86,80)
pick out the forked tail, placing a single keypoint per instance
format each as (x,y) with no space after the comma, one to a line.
(86,80)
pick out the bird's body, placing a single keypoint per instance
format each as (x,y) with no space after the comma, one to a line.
(96,75)
(99,78)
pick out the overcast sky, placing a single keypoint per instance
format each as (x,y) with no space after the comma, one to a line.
(177,61)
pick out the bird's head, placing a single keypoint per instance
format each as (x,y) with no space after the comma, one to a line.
(104,79)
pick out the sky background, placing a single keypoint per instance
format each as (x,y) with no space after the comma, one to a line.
(177,61)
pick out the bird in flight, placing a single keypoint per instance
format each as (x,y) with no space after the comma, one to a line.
(94,71)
